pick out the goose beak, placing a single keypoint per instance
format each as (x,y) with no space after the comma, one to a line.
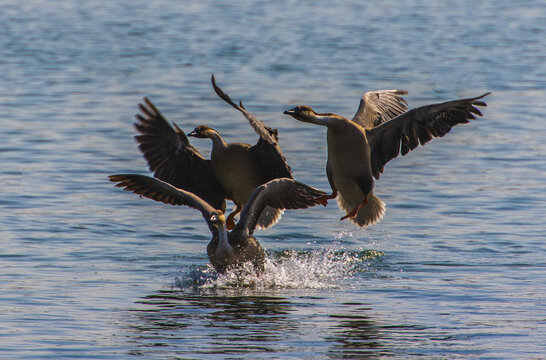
(290,111)
(193,133)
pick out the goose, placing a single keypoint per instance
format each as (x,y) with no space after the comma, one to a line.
(357,155)
(228,249)
(233,171)
(375,108)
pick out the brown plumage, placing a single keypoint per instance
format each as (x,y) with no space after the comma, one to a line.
(228,249)
(357,155)
(234,170)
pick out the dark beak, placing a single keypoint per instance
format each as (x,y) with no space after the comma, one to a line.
(289,112)
(193,133)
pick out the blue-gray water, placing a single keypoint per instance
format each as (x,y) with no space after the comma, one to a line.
(456,269)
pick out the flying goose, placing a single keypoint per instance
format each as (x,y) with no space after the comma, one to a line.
(228,249)
(234,170)
(356,155)
(375,108)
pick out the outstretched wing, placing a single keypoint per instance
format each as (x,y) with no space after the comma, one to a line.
(377,107)
(173,159)
(263,131)
(161,191)
(282,193)
(417,126)
(267,150)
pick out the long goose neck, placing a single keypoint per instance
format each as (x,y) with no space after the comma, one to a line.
(359,116)
(217,141)
(223,240)
(325,119)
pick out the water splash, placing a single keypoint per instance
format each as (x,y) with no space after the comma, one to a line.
(328,268)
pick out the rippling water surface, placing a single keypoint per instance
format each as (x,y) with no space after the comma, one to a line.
(456,268)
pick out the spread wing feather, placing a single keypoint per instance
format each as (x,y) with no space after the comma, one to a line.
(377,107)
(161,191)
(173,159)
(267,150)
(417,126)
(284,193)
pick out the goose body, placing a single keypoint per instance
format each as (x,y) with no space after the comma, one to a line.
(228,249)
(233,171)
(357,155)
(229,164)
(351,175)
(233,164)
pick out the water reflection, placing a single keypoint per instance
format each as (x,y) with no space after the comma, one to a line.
(180,323)
(356,335)
(197,323)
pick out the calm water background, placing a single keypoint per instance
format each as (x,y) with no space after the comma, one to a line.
(456,269)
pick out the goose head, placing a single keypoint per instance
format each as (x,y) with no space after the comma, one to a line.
(202,132)
(302,113)
(217,219)
(306,114)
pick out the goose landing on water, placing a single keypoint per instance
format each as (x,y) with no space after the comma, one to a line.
(227,250)
(357,155)
(234,171)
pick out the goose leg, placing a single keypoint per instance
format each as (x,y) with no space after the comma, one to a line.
(230,221)
(323,199)
(355,211)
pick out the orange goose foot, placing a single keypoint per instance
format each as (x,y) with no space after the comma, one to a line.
(230,221)
(323,199)
(355,211)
